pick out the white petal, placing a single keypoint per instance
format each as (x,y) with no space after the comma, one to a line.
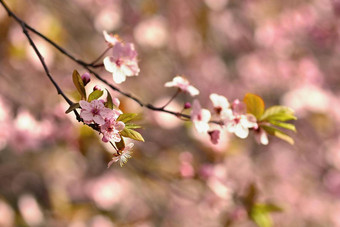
(118,76)
(241,132)
(206,115)
(109,64)
(193,91)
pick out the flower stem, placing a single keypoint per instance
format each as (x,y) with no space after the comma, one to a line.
(172,98)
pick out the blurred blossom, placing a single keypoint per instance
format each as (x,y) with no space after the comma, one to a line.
(152,32)
(204,139)
(188,41)
(108,190)
(308,98)
(216,4)
(28,131)
(164,120)
(45,51)
(186,168)
(101,221)
(109,18)
(183,84)
(7,215)
(30,210)
(5,123)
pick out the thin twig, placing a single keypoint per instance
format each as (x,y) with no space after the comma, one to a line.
(89,66)
(172,98)
(93,64)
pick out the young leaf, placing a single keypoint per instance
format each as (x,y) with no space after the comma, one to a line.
(260,217)
(121,144)
(268,207)
(132,126)
(278,113)
(284,125)
(109,103)
(132,134)
(78,82)
(278,133)
(126,117)
(72,107)
(255,104)
(96,94)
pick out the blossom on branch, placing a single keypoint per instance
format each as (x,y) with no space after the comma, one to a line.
(182,84)
(220,103)
(200,117)
(93,112)
(122,156)
(112,127)
(239,122)
(123,62)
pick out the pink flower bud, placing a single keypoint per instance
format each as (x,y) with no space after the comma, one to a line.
(187,105)
(86,78)
(97,88)
(214,136)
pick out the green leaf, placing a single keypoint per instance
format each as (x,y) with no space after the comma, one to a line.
(109,103)
(278,133)
(278,113)
(255,105)
(268,207)
(260,217)
(132,134)
(96,94)
(132,126)
(126,117)
(72,107)
(288,126)
(121,144)
(78,82)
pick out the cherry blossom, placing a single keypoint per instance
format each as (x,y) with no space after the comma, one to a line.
(122,62)
(93,111)
(123,156)
(182,84)
(220,103)
(112,127)
(111,39)
(200,117)
(240,124)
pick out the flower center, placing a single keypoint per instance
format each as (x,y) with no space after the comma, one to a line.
(95,111)
(119,62)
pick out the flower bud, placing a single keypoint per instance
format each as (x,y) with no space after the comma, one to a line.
(86,78)
(187,105)
(97,88)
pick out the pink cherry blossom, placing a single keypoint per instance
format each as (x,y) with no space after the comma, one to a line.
(122,62)
(182,84)
(93,111)
(200,117)
(112,127)
(111,39)
(123,156)
(240,124)
(220,103)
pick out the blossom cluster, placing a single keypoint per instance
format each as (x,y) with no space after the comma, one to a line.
(238,117)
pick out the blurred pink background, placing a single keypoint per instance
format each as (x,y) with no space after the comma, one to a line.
(53,169)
